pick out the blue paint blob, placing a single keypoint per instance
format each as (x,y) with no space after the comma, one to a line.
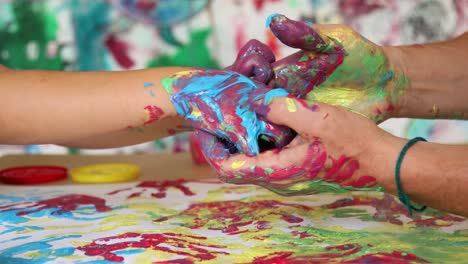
(270,18)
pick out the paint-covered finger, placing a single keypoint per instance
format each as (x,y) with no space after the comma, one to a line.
(255,46)
(300,72)
(254,65)
(213,148)
(300,35)
(254,60)
(269,166)
(299,115)
(273,136)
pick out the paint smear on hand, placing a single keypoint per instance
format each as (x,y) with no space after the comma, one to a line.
(291,105)
(153,113)
(238,164)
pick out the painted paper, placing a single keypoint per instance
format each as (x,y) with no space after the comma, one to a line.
(213,222)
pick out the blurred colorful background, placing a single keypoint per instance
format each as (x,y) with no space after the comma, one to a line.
(114,35)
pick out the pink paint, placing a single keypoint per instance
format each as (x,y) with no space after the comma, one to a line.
(119,50)
(179,244)
(231,216)
(259,4)
(154,113)
(160,186)
(240,37)
(63,204)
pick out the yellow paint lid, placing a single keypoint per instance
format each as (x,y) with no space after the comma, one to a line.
(105,173)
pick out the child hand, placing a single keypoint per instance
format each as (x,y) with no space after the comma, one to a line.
(220,102)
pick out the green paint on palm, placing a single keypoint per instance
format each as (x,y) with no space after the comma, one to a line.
(167,84)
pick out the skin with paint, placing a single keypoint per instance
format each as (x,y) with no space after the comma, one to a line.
(325,157)
(221,103)
(316,161)
(337,66)
(432,90)
(143,105)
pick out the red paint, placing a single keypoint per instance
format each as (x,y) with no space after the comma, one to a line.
(32,174)
(179,244)
(160,186)
(146,5)
(448,220)
(240,37)
(395,257)
(232,216)
(388,209)
(291,218)
(259,4)
(171,131)
(154,113)
(119,51)
(273,43)
(63,204)
(293,258)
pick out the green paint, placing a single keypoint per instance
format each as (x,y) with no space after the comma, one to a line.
(293,3)
(304,58)
(167,84)
(264,137)
(32,26)
(315,186)
(269,170)
(139,129)
(363,83)
(193,54)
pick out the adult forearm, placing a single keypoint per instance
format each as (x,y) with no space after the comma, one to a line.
(432,174)
(62,107)
(438,79)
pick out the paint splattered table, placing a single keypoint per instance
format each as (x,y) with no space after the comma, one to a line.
(161,219)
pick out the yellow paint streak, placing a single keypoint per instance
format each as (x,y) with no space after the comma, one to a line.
(185,73)
(292,108)
(196,113)
(238,164)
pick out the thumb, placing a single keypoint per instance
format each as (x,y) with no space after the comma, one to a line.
(296,114)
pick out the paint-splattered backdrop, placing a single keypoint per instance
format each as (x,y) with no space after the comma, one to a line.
(116,35)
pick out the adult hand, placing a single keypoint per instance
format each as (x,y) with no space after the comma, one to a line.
(335,65)
(335,149)
(220,102)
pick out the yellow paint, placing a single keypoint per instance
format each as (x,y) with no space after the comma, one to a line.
(292,108)
(105,173)
(185,73)
(238,164)
(79,243)
(196,113)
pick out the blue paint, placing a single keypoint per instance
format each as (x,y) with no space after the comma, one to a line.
(129,251)
(208,89)
(278,92)
(386,77)
(270,18)
(8,255)
(10,199)
(148,84)
(90,20)
(18,229)
(152,93)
